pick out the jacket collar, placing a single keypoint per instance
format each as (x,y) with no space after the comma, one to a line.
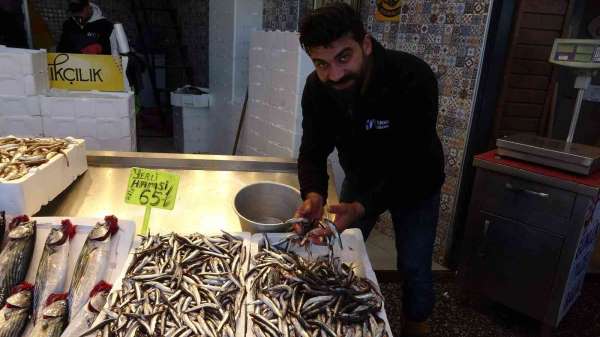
(376,78)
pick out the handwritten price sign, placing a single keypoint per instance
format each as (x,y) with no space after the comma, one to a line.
(152,189)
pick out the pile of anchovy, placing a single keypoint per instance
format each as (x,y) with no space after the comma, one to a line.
(19,155)
(296,297)
(179,286)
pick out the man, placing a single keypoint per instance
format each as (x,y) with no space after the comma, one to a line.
(379,108)
(86,31)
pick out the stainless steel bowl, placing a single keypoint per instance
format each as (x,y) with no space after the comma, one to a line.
(262,206)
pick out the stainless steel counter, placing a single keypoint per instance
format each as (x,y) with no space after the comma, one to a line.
(206,190)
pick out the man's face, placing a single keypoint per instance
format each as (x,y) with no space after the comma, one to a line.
(341,65)
(83,16)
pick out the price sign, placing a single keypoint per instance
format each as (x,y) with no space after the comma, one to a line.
(152,189)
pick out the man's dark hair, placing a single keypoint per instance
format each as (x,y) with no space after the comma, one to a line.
(76,6)
(326,24)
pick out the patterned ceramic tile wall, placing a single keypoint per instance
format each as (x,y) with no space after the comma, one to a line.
(447,34)
(282,14)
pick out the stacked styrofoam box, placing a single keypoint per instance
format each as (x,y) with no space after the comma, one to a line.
(105,120)
(44,183)
(278,71)
(23,76)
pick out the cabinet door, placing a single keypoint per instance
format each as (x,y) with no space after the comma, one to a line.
(516,264)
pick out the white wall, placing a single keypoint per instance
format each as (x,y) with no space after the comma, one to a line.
(231,23)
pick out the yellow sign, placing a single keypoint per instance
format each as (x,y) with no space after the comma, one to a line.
(388,10)
(83,72)
(152,188)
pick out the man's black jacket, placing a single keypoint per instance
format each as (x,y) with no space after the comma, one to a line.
(386,139)
(75,37)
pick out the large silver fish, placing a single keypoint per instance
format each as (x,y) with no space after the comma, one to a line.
(54,319)
(52,270)
(86,317)
(16,256)
(92,264)
(14,314)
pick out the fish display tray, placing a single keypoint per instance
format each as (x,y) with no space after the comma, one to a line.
(354,252)
(121,243)
(42,184)
(246,237)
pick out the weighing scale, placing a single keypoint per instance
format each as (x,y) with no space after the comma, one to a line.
(583,56)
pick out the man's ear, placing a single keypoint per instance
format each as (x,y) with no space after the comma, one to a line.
(367,45)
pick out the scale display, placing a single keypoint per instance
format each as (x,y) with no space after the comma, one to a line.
(576,53)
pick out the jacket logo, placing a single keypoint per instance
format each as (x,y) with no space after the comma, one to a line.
(377,124)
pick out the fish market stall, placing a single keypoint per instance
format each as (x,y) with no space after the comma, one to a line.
(177,283)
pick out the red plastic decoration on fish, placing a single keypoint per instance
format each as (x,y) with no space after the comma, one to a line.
(68,228)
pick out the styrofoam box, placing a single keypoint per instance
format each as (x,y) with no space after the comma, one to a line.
(24,85)
(17,61)
(105,120)
(191,129)
(354,252)
(44,183)
(191,101)
(90,104)
(11,106)
(118,282)
(21,126)
(121,243)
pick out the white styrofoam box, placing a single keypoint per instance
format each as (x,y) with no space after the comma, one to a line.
(284,99)
(21,126)
(17,61)
(354,253)
(190,101)
(42,184)
(20,105)
(290,61)
(105,120)
(126,144)
(192,130)
(277,150)
(24,85)
(275,94)
(291,42)
(280,135)
(61,103)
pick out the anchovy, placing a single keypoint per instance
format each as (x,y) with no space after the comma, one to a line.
(86,317)
(52,270)
(179,286)
(295,296)
(54,318)
(92,263)
(19,155)
(16,256)
(15,313)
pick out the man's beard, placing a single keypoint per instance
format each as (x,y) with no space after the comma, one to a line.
(356,77)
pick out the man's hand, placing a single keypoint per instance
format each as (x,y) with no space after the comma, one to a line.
(346,214)
(311,209)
